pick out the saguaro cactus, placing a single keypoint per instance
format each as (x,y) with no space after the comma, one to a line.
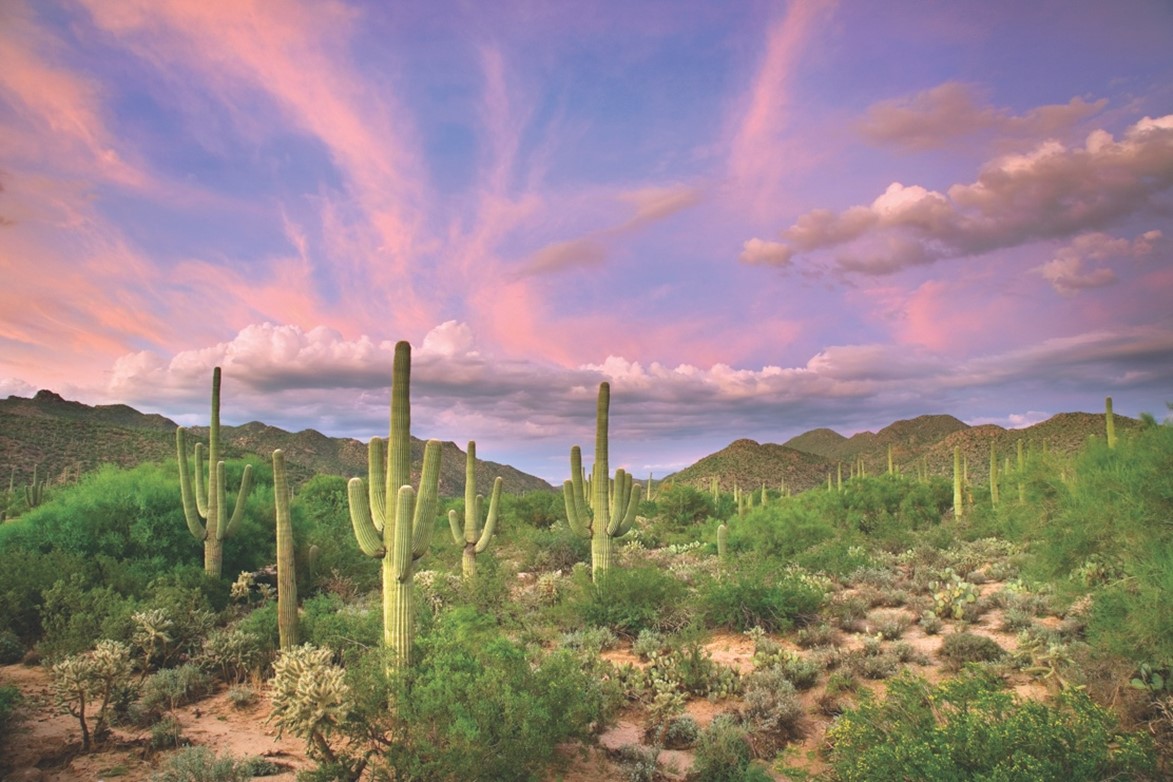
(608,517)
(399,533)
(209,500)
(472,537)
(958,507)
(34,492)
(286,567)
(994,495)
(1109,422)
(722,541)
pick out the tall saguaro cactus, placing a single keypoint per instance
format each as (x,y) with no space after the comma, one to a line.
(398,533)
(34,492)
(209,500)
(608,517)
(472,536)
(286,566)
(958,502)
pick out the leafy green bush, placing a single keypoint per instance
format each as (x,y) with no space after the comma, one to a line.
(723,754)
(173,687)
(472,689)
(9,700)
(632,599)
(957,649)
(326,621)
(11,648)
(968,729)
(758,595)
(200,764)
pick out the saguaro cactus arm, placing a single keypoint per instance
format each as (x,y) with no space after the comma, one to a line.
(423,518)
(370,540)
(193,508)
(246,485)
(490,527)
(574,494)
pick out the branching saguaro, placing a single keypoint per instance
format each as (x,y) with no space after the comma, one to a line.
(399,533)
(471,536)
(208,502)
(608,515)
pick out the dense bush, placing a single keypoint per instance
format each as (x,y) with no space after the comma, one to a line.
(630,600)
(475,707)
(759,595)
(969,729)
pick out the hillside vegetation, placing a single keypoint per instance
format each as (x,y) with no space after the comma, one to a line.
(895,625)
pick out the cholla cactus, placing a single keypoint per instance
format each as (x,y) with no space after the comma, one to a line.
(232,651)
(82,680)
(152,635)
(548,587)
(310,697)
(242,587)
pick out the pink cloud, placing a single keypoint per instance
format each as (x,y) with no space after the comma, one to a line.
(1068,271)
(1050,192)
(954,110)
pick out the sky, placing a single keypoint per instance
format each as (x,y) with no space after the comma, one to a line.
(751,218)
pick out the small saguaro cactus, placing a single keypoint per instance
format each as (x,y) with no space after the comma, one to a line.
(472,537)
(608,516)
(286,567)
(1109,422)
(34,492)
(398,533)
(994,496)
(209,501)
(722,541)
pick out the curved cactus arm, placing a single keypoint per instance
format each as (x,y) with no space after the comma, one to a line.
(491,521)
(423,519)
(455,526)
(246,486)
(201,484)
(377,482)
(619,500)
(190,508)
(370,540)
(472,500)
(628,517)
(574,494)
(401,558)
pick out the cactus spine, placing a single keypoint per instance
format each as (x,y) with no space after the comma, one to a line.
(1110,422)
(209,500)
(286,567)
(472,537)
(401,532)
(612,516)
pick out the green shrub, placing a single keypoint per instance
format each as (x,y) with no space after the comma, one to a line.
(166,733)
(173,687)
(200,764)
(472,688)
(326,621)
(723,754)
(759,596)
(968,729)
(11,648)
(957,649)
(633,599)
(9,700)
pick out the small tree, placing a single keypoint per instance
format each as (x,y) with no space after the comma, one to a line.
(82,680)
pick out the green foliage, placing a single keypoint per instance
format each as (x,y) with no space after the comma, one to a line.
(327,622)
(723,754)
(321,501)
(9,700)
(11,648)
(680,507)
(968,729)
(759,595)
(957,649)
(200,764)
(170,688)
(631,600)
(536,509)
(472,689)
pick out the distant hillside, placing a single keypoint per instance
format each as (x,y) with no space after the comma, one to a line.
(925,442)
(749,465)
(67,439)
